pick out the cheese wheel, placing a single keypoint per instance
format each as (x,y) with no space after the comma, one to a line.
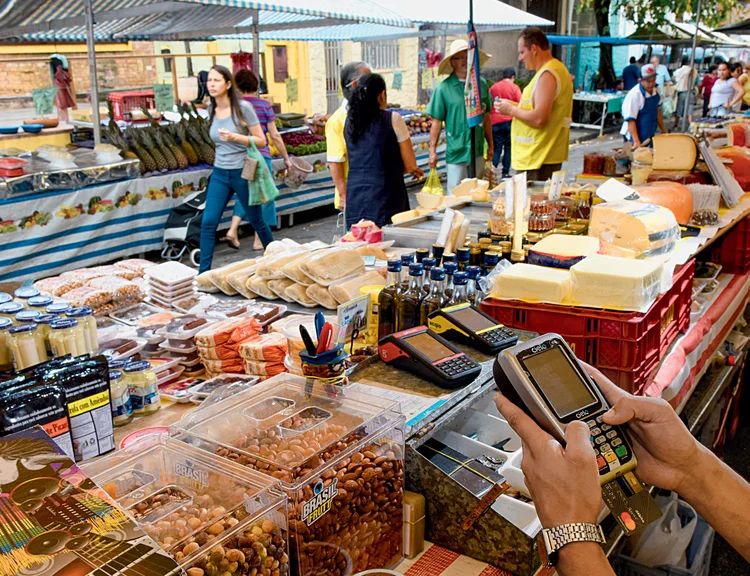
(739,164)
(676,197)
(674,152)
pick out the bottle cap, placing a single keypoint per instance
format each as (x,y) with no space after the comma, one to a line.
(137,366)
(407,259)
(63,323)
(394,266)
(11,308)
(474,272)
(79,312)
(114,375)
(28,315)
(437,274)
(449,257)
(38,301)
(26,293)
(416,269)
(491,259)
(5,297)
(5,323)
(463,254)
(47,318)
(58,308)
(30,327)
(429,263)
(460,278)
(450,268)
(116,364)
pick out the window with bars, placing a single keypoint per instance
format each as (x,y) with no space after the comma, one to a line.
(382,55)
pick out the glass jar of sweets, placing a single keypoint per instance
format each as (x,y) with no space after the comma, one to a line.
(6,360)
(10,309)
(87,321)
(122,409)
(22,295)
(26,346)
(43,322)
(66,337)
(58,308)
(144,391)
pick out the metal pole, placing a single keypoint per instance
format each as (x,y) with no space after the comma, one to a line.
(256,44)
(473,147)
(684,119)
(92,72)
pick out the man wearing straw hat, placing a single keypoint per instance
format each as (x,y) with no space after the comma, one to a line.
(448,105)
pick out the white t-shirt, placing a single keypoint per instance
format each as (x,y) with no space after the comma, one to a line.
(682,78)
(722,93)
(399,127)
(632,106)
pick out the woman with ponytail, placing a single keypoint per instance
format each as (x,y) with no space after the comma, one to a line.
(380,153)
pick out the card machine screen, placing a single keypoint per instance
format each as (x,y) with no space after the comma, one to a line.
(559,381)
(430,347)
(473,319)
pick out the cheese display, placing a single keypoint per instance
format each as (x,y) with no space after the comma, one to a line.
(562,251)
(634,230)
(616,283)
(322,296)
(332,265)
(676,197)
(349,289)
(532,283)
(674,152)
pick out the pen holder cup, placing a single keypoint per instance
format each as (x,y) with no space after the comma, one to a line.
(326,368)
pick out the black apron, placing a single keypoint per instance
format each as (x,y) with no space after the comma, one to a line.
(375,188)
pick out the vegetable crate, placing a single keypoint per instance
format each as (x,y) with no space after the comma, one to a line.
(625,346)
(124,102)
(734,251)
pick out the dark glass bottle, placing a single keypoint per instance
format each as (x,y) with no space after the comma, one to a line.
(388,301)
(450,269)
(449,257)
(406,261)
(408,301)
(422,253)
(435,299)
(460,279)
(474,273)
(463,255)
(429,264)
(490,261)
(437,253)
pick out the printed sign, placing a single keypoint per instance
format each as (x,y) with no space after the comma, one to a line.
(292,89)
(352,316)
(320,504)
(164,97)
(398,80)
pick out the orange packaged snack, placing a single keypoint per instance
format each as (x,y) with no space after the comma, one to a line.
(231,331)
(268,348)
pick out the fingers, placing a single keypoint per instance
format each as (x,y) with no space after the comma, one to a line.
(630,408)
(578,441)
(528,430)
(611,392)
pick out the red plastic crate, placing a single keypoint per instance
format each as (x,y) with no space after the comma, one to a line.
(124,102)
(734,251)
(625,346)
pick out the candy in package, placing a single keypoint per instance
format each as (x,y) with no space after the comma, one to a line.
(138,265)
(260,368)
(115,271)
(88,297)
(121,289)
(228,332)
(57,286)
(82,275)
(231,365)
(270,347)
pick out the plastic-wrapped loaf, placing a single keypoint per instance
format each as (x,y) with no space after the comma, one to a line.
(56,285)
(88,297)
(333,265)
(112,270)
(298,293)
(219,276)
(293,269)
(228,332)
(264,369)
(205,284)
(279,287)
(270,268)
(615,283)
(634,230)
(238,280)
(347,290)
(322,296)
(270,347)
(259,286)
(82,275)
(138,265)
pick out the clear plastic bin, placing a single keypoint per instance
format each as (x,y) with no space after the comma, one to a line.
(338,456)
(205,512)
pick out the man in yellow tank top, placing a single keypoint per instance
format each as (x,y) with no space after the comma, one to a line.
(540,132)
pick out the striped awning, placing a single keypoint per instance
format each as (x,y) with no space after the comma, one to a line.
(63,20)
(487,13)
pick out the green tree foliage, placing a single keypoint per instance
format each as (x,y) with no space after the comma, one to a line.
(658,12)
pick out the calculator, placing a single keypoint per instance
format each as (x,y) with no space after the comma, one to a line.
(543,377)
(466,324)
(422,352)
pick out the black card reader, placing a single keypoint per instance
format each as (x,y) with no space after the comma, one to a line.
(466,324)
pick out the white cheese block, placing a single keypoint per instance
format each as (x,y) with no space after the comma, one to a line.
(618,283)
(532,283)
(634,230)
(465,187)
(562,251)
(674,152)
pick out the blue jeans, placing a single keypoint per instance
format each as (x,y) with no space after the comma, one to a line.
(501,140)
(268,209)
(223,184)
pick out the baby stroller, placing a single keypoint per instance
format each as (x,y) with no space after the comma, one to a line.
(182,232)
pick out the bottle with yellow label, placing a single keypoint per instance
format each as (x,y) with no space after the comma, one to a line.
(144,391)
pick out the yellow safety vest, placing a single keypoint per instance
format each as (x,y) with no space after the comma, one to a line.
(532,147)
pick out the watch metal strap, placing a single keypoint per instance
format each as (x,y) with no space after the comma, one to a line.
(557,537)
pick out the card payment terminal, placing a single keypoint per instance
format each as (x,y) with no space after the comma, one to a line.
(468,325)
(424,353)
(543,377)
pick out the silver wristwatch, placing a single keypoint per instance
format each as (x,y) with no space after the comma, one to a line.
(557,537)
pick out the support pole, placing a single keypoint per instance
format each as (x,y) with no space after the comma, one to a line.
(256,44)
(473,130)
(92,72)
(175,87)
(684,119)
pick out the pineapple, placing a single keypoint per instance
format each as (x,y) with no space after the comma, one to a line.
(148,164)
(177,152)
(202,125)
(155,136)
(161,162)
(205,151)
(187,148)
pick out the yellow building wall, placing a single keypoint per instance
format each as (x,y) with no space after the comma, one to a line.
(409,64)
(298,61)
(317,66)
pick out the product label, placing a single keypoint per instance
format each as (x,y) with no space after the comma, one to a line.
(320,504)
(141,397)
(90,411)
(86,404)
(196,477)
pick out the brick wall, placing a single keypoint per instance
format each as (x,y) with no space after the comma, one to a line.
(18,77)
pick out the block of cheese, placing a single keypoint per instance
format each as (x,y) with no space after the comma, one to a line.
(332,265)
(532,283)
(634,230)
(562,251)
(465,187)
(672,195)
(322,296)
(674,152)
(346,290)
(643,155)
(616,283)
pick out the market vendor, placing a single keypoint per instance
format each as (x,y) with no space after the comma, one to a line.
(641,110)
(448,105)
(335,143)
(540,132)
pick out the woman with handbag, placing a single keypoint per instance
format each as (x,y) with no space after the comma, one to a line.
(235,129)
(380,152)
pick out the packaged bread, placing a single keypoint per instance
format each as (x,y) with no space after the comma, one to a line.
(120,288)
(278,325)
(270,268)
(332,265)
(219,276)
(322,296)
(205,284)
(222,351)
(278,246)
(260,368)
(269,347)
(279,287)
(260,287)
(230,366)
(56,285)
(298,293)
(293,270)
(239,278)
(372,250)
(137,265)
(228,331)
(347,290)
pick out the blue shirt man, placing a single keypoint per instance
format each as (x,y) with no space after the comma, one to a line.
(631,74)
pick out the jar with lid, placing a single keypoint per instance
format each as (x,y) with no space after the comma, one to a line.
(6,360)
(22,295)
(88,323)
(43,326)
(122,409)
(541,222)
(540,204)
(26,346)
(40,303)
(26,316)
(564,207)
(144,391)
(5,297)
(116,364)
(10,309)
(66,337)
(58,308)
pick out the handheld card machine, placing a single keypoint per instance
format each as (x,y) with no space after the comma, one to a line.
(424,353)
(468,325)
(543,377)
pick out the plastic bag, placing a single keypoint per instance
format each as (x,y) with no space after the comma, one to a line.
(665,542)
(433,185)
(667,106)
(262,190)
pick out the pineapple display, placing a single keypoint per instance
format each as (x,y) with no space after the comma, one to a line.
(205,151)
(154,136)
(148,164)
(187,148)
(147,144)
(177,152)
(202,126)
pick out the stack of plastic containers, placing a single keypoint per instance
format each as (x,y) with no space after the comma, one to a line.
(170,282)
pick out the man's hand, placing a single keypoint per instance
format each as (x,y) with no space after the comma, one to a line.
(433,158)
(666,451)
(564,482)
(504,107)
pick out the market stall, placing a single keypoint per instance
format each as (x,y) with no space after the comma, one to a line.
(611,103)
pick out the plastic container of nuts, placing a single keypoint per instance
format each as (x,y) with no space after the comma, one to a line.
(210,515)
(338,456)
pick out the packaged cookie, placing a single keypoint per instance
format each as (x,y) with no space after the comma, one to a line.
(137,265)
(87,297)
(57,285)
(120,288)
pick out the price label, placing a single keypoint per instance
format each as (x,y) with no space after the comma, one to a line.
(353,316)
(163,97)
(558,179)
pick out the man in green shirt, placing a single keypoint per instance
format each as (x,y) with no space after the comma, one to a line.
(448,105)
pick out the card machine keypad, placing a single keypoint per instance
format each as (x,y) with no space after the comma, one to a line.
(499,336)
(457,365)
(611,452)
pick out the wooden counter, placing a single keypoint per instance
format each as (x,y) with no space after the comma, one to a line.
(59,136)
